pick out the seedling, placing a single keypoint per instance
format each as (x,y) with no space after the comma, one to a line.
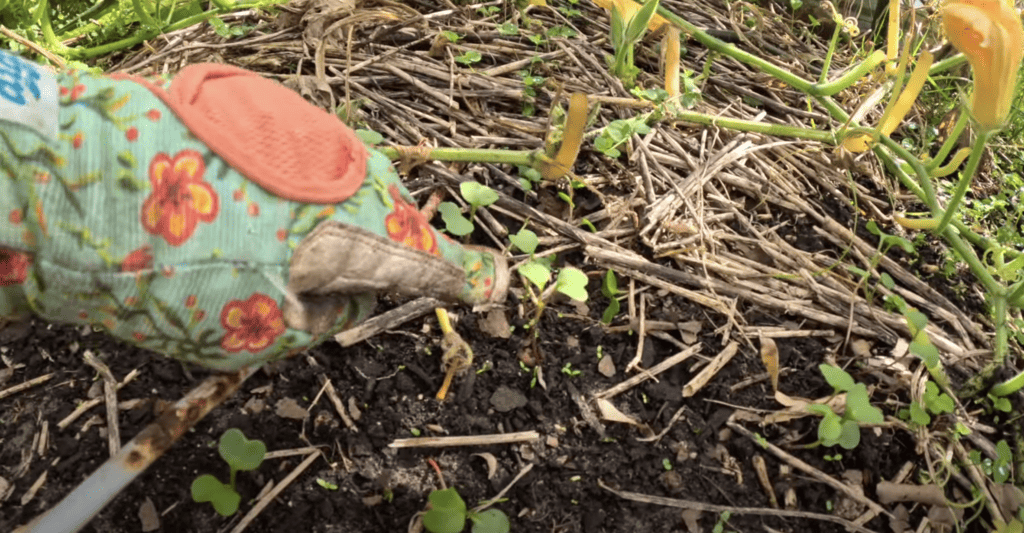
(239,453)
(610,290)
(935,402)
(477,196)
(569,371)
(620,131)
(468,58)
(448,514)
(571,282)
(845,430)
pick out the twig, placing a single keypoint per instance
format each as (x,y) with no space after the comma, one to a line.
(25,385)
(468,440)
(712,508)
(263,503)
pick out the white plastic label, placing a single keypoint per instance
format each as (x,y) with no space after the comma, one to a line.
(28,95)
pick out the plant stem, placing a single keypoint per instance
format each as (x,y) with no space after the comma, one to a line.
(47,28)
(951,141)
(851,77)
(470,155)
(779,130)
(965,179)
(831,51)
(1009,386)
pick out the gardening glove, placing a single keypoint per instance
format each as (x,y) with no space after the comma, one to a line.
(217,218)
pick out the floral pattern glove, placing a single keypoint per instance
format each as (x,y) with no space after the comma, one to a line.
(217,217)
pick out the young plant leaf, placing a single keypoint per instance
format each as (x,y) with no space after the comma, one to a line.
(478,195)
(536,272)
(490,521)
(240,452)
(447,513)
(525,240)
(837,377)
(572,282)
(850,436)
(454,222)
(859,408)
(224,499)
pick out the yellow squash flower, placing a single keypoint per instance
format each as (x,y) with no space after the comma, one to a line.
(990,34)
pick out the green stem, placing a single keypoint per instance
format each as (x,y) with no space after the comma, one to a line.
(851,77)
(144,15)
(1009,386)
(965,179)
(951,141)
(759,127)
(828,55)
(732,51)
(101,50)
(47,28)
(946,64)
(470,155)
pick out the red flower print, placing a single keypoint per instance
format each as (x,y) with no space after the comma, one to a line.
(254,209)
(252,324)
(238,195)
(190,301)
(138,259)
(76,141)
(132,134)
(153,115)
(282,235)
(13,267)
(167,272)
(180,198)
(408,226)
(16,216)
(75,93)
(138,336)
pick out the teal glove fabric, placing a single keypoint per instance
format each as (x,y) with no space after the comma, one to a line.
(216,218)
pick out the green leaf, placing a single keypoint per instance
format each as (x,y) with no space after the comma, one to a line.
(536,272)
(609,313)
(469,57)
(918,415)
(525,240)
(447,513)
(829,429)
(572,282)
(490,521)
(610,285)
(369,137)
(837,377)
(917,321)
(240,452)
(326,484)
(477,194)
(922,347)
(224,499)
(858,406)
(454,222)
(850,437)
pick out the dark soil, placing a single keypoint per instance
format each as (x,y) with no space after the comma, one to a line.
(559,494)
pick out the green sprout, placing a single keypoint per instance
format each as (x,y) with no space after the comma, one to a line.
(610,289)
(568,370)
(477,196)
(469,57)
(448,514)
(845,430)
(239,453)
(620,131)
(570,281)
(935,402)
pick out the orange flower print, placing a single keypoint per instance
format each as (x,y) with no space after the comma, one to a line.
(408,226)
(13,267)
(77,140)
(132,134)
(138,259)
(252,324)
(180,198)
(16,216)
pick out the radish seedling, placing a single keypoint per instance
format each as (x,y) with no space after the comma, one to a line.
(239,453)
